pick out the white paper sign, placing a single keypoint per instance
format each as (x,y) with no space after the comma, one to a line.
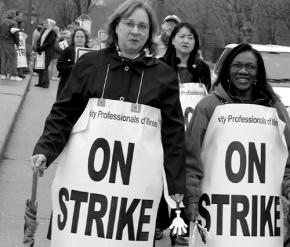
(63,44)
(81,51)
(244,156)
(108,182)
(190,94)
(40,61)
(21,51)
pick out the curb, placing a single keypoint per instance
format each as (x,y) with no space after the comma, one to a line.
(13,120)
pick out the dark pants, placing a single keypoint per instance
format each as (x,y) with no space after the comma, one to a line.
(8,59)
(43,79)
(162,221)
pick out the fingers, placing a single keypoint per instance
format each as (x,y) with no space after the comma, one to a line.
(39,163)
(177,197)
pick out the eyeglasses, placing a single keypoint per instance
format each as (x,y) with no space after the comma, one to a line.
(142,27)
(248,66)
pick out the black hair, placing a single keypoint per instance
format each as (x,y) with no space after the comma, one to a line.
(170,55)
(87,37)
(261,86)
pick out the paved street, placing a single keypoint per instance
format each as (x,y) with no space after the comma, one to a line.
(16,174)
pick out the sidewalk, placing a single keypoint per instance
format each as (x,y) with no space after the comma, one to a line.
(12,94)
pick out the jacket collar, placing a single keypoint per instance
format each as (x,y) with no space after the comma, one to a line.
(260,97)
(138,64)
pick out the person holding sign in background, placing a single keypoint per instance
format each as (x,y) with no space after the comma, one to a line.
(237,159)
(45,49)
(117,122)
(192,72)
(79,38)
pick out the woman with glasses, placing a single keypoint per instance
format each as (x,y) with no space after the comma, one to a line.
(237,156)
(116,126)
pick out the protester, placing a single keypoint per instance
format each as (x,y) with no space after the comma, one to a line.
(8,52)
(79,38)
(162,40)
(45,46)
(181,55)
(65,38)
(35,37)
(237,129)
(137,97)
(21,51)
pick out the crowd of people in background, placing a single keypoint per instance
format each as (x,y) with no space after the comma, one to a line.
(171,59)
(47,37)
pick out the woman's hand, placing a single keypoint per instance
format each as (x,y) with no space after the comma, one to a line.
(177,197)
(39,162)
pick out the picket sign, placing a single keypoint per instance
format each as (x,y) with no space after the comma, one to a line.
(63,44)
(21,51)
(108,182)
(81,51)
(244,155)
(190,94)
(39,61)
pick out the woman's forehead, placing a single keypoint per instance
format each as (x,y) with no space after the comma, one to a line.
(139,14)
(246,56)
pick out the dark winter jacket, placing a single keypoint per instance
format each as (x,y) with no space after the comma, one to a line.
(47,46)
(199,69)
(196,131)
(160,89)
(5,31)
(64,66)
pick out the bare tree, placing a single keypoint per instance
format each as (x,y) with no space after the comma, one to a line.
(237,19)
(67,12)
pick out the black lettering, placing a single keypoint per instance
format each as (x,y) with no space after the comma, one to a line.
(239,215)
(254,161)
(78,197)
(99,175)
(235,177)
(266,215)
(187,111)
(254,215)
(220,200)
(96,215)
(126,218)
(277,216)
(204,213)
(112,217)
(63,192)
(118,158)
(143,236)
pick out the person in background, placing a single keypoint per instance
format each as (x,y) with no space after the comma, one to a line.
(241,80)
(181,55)
(79,38)
(57,50)
(119,77)
(45,44)
(162,40)
(35,37)
(8,52)
(21,51)
(65,38)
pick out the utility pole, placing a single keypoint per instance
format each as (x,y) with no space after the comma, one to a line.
(159,4)
(28,24)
